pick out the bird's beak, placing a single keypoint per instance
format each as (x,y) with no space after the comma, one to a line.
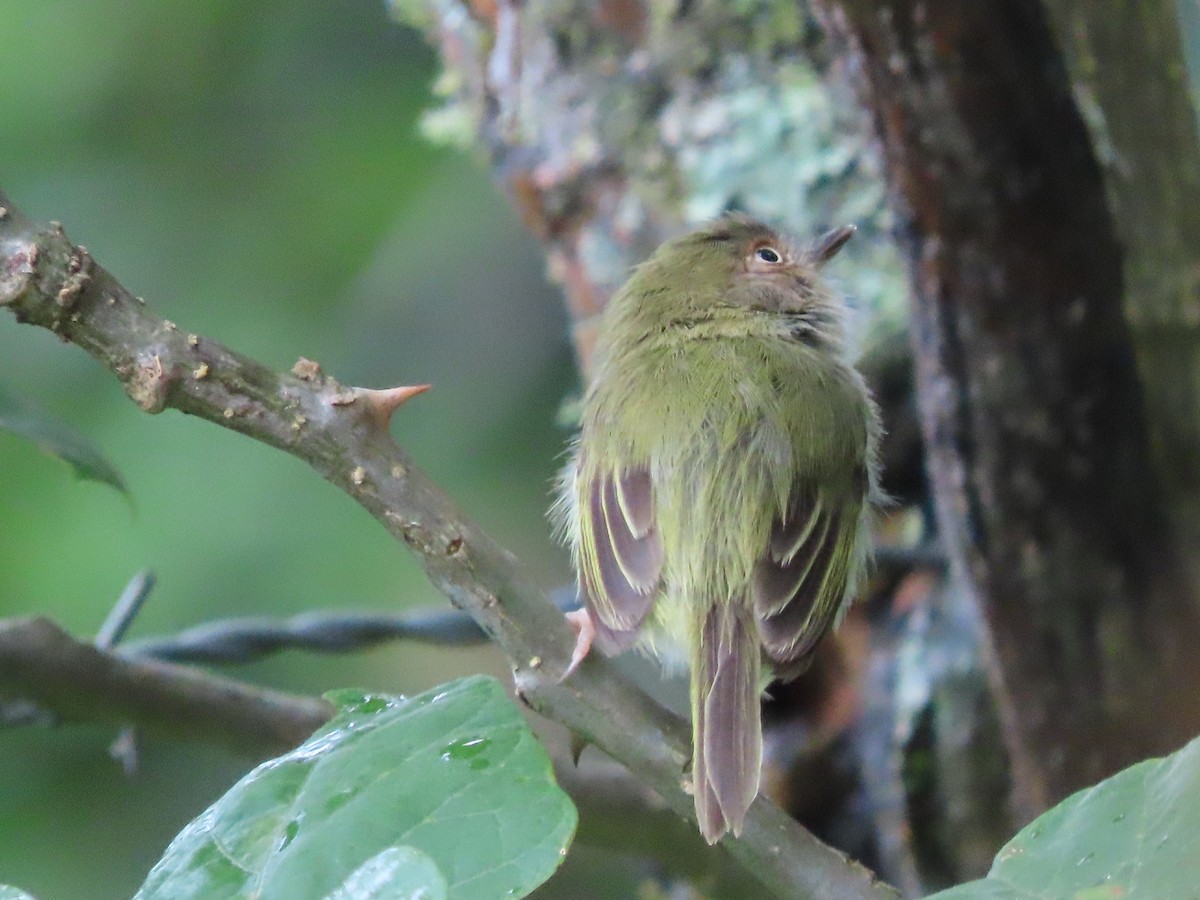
(829,245)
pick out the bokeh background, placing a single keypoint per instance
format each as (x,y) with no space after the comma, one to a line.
(255,171)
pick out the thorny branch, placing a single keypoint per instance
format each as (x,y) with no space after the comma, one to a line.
(341,432)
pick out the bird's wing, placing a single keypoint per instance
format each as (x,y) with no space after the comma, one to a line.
(800,582)
(620,552)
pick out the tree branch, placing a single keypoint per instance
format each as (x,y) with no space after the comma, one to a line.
(619,815)
(47,281)
(42,664)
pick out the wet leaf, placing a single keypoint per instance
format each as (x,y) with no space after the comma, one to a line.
(1135,836)
(445,795)
(397,873)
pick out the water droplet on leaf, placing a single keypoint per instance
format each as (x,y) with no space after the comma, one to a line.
(465,748)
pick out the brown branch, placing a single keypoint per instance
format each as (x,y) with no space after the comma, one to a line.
(1031,403)
(80,682)
(47,281)
(621,815)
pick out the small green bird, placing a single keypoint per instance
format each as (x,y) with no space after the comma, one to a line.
(718,497)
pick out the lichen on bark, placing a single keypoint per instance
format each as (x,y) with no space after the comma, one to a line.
(613,125)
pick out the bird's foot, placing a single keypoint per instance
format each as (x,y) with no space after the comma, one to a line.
(585,633)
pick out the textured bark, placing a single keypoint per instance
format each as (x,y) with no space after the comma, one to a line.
(615,124)
(1127,62)
(1030,398)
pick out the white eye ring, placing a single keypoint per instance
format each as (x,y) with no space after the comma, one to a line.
(768,255)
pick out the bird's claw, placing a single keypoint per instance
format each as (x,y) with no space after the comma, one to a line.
(585,633)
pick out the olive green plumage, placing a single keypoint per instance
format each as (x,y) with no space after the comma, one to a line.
(718,497)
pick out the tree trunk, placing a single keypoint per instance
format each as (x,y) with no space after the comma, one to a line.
(1031,404)
(1128,64)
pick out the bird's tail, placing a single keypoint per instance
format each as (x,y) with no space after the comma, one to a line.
(726,721)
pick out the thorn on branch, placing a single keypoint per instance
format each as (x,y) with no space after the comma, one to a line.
(124,750)
(381,405)
(578,743)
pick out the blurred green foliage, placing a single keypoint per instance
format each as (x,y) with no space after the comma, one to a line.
(253,169)
(58,439)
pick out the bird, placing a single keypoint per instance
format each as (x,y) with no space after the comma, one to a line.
(718,497)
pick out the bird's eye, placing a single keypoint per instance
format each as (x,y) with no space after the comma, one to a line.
(767,255)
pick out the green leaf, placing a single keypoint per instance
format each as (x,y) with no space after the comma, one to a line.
(59,439)
(445,795)
(397,873)
(1135,836)
(12,893)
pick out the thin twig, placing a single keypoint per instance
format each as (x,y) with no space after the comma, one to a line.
(47,281)
(128,605)
(248,639)
(124,749)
